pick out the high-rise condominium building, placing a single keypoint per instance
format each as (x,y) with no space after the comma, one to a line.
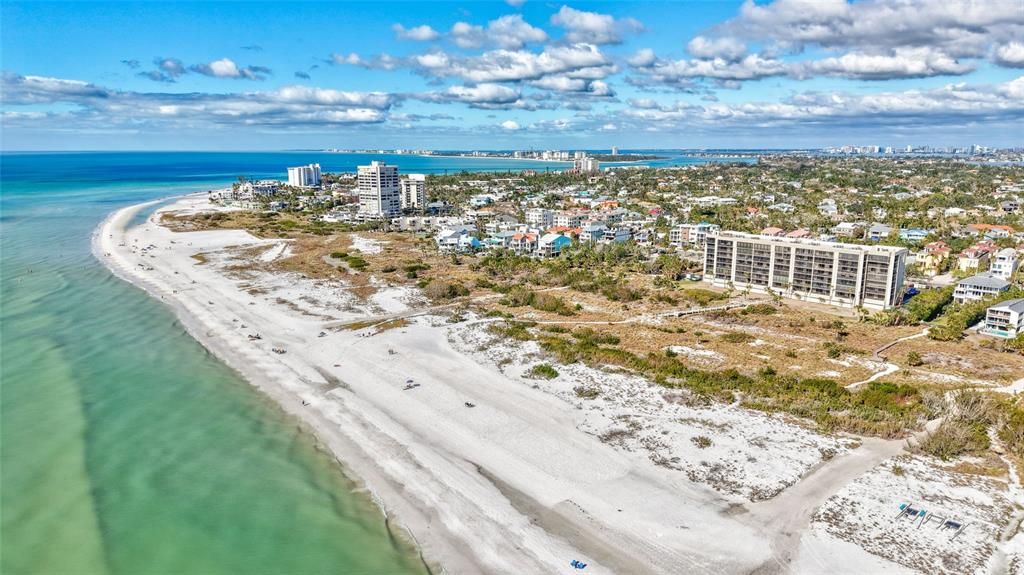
(304,176)
(586,165)
(379,195)
(833,273)
(414,191)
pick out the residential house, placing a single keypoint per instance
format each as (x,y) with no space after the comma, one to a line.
(540,217)
(457,238)
(695,235)
(592,232)
(1005,319)
(979,287)
(773,232)
(932,258)
(914,234)
(976,257)
(616,235)
(848,230)
(990,231)
(551,245)
(1004,263)
(877,232)
(800,234)
(523,243)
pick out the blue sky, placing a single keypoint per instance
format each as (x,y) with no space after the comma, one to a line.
(518,74)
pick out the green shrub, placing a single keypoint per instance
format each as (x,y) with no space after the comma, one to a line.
(701,441)
(543,371)
(759,309)
(737,337)
(914,359)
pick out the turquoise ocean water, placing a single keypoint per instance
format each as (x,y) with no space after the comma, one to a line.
(125,448)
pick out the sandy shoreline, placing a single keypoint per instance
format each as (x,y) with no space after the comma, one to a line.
(522,482)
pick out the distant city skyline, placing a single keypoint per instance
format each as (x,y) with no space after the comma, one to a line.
(785,74)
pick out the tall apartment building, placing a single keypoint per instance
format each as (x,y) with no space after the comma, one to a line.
(847,275)
(304,176)
(586,165)
(379,194)
(413,189)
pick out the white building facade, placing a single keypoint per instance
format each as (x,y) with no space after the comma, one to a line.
(414,191)
(846,275)
(1004,264)
(1005,319)
(304,176)
(379,193)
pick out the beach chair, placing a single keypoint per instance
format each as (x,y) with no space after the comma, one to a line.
(958,531)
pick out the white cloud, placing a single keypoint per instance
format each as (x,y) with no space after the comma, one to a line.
(226,68)
(421,33)
(593,28)
(484,94)
(643,58)
(902,63)
(510,32)
(577,60)
(1010,55)
(510,125)
(513,32)
(708,48)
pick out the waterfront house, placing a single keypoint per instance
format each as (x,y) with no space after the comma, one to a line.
(1005,319)
(979,287)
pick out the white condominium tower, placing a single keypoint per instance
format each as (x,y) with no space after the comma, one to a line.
(414,191)
(379,196)
(847,275)
(304,176)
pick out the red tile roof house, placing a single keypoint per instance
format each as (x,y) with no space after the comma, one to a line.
(800,234)
(975,257)
(775,232)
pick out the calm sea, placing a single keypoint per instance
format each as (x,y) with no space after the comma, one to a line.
(125,448)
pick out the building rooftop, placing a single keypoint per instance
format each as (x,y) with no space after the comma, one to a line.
(1015,305)
(808,242)
(986,280)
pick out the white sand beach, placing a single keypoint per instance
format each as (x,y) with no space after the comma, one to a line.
(523,482)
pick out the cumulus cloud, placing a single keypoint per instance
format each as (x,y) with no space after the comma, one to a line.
(577,60)
(902,63)
(510,125)
(643,58)
(167,70)
(593,28)
(948,105)
(750,67)
(726,48)
(1010,55)
(227,68)
(510,32)
(287,106)
(421,33)
(379,62)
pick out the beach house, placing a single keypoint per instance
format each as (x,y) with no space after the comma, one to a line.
(1005,319)
(979,287)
